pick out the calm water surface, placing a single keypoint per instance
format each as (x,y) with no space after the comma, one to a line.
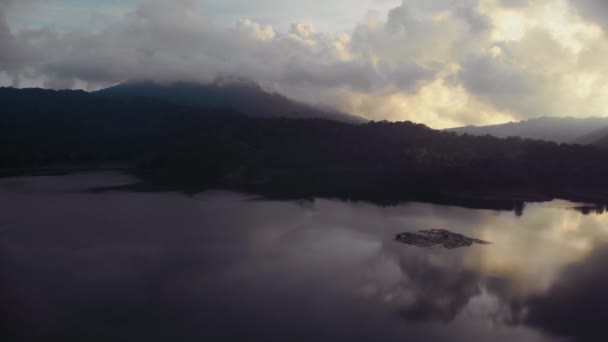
(117,266)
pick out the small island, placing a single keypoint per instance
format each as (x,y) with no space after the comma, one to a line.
(438,237)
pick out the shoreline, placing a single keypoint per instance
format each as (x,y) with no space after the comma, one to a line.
(500,199)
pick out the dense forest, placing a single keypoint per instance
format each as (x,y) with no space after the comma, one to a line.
(197,149)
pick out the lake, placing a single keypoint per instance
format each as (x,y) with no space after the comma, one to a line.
(82,265)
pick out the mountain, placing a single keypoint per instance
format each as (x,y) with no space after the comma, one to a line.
(246,97)
(603,142)
(557,129)
(192,149)
(40,127)
(598,137)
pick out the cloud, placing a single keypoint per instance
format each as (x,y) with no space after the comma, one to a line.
(483,75)
(439,62)
(10,50)
(170,43)
(595,10)
(177,42)
(394,57)
(514,3)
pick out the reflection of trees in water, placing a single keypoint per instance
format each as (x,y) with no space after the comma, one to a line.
(519,208)
(598,209)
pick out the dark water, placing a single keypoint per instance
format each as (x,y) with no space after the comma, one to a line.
(119,266)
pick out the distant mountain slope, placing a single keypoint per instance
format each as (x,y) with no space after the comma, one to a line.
(598,137)
(560,130)
(602,141)
(245,97)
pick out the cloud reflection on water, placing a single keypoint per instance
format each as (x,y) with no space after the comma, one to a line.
(217,265)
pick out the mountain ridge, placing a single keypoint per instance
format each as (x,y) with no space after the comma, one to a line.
(193,150)
(244,96)
(557,129)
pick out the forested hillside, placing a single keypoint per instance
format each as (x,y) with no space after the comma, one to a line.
(198,149)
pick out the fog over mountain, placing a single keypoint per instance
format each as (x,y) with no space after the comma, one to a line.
(598,138)
(241,95)
(441,63)
(560,130)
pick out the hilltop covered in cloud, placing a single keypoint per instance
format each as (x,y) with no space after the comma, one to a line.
(443,63)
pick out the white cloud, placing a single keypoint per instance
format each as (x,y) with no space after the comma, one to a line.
(440,62)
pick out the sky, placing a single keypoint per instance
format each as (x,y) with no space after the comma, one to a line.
(444,63)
